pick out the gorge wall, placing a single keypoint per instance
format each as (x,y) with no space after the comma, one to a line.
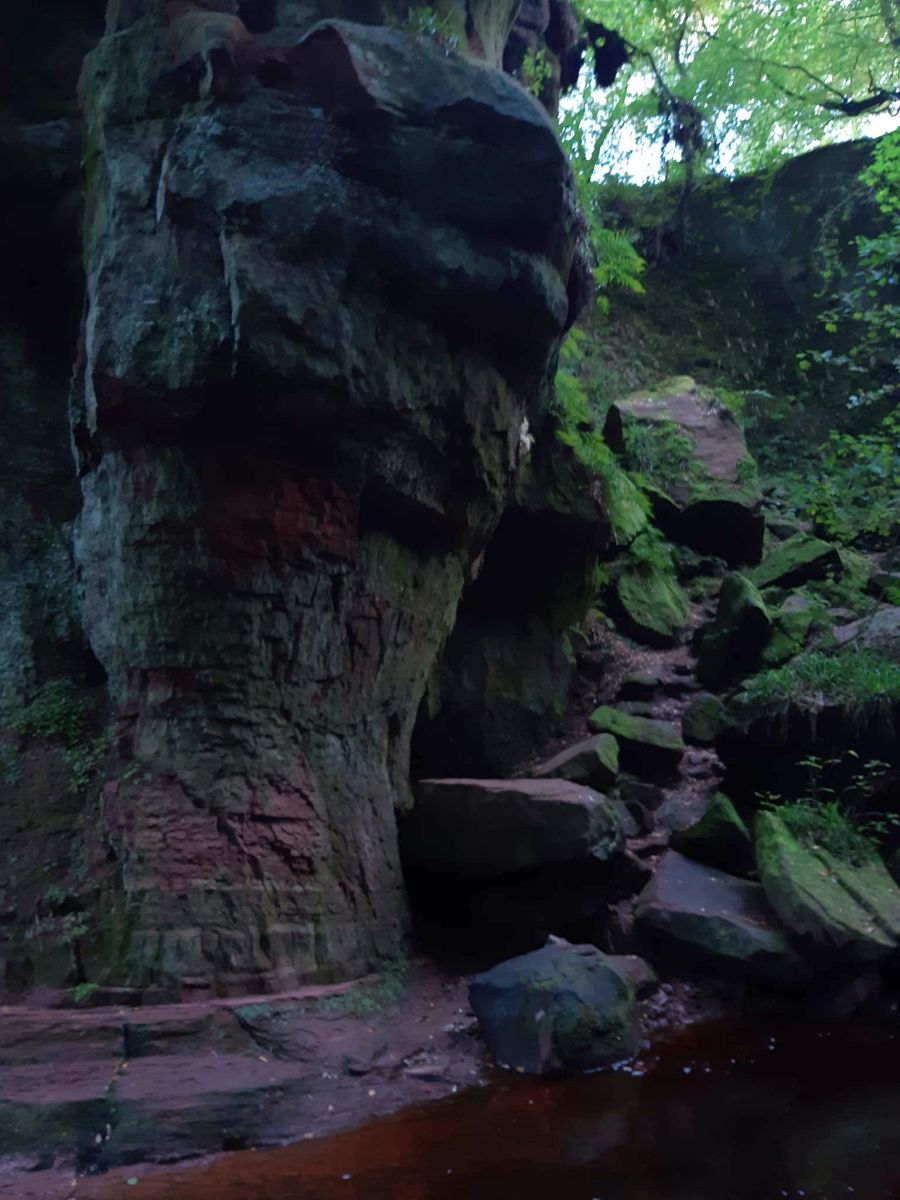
(326,272)
(301,515)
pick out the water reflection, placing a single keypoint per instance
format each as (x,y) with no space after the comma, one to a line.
(726,1114)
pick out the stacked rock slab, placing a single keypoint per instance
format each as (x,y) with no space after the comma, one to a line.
(716,920)
(594,761)
(322,295)
(711,503)
(648,747)
(492,827)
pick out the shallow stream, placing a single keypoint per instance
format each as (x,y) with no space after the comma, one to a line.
(747,1112)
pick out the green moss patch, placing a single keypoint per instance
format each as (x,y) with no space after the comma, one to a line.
(851,911)
(796,561)
(646,747)
(853,680)
(651,602)
(719,838)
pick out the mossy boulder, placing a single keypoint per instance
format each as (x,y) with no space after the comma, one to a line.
(648,748)
(796,561)
(650,604)
(850,912)
(792,625)
(734,643)
(720,838)
(701,917)
(594,762)
(703,720)
(692,459)
(559,1009)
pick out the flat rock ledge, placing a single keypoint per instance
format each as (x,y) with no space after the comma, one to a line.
(490,827)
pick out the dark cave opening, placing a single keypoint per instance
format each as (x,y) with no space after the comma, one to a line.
(474,721)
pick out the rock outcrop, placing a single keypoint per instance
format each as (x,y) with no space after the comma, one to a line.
(503,682)
(700,477)
(325,280)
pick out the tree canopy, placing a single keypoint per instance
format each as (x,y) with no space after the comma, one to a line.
(736,82)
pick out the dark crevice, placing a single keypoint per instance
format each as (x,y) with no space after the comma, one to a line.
(259,16)
(384,510)
(508,585)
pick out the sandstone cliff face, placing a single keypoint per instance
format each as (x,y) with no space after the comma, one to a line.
(40,302)
(325,279)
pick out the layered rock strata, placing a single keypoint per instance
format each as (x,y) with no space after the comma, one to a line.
(325,279)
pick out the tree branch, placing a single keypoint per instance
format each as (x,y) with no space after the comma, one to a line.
(846,105)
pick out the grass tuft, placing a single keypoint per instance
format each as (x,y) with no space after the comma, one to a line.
(852,680)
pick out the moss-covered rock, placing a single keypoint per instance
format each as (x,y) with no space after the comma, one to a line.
(691,457)
(594,762)
(720,838)
(561,1008)
(646,747)
(850,912)
(792,625)
(650,603)
(703,720)
(734,643)
(798,560)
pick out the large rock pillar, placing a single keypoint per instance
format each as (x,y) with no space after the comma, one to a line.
(325,280)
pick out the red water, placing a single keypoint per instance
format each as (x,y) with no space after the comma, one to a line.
(803,1111)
